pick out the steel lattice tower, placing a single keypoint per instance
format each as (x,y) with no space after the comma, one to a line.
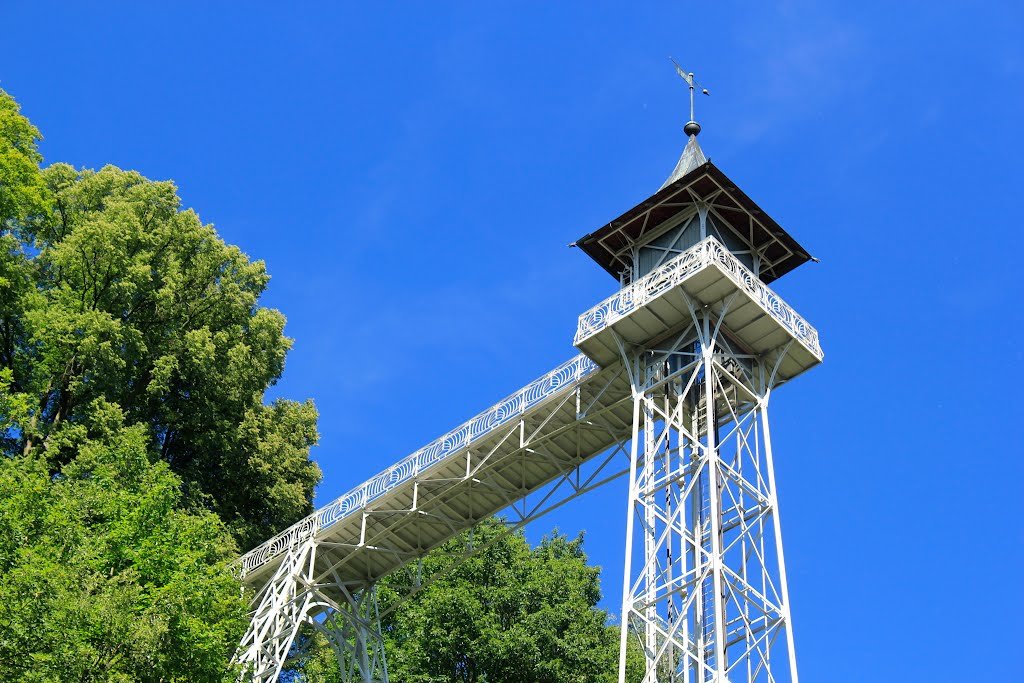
(706,594)
(704,589)
(670,391)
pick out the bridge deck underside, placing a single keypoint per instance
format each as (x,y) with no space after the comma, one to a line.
(552,439)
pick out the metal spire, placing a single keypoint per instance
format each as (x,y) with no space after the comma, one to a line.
(693,155)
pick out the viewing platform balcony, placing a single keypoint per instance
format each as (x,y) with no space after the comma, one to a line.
(706,275)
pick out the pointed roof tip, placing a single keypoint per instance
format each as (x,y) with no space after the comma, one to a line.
(692,157)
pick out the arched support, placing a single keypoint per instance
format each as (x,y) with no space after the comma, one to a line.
(353,633)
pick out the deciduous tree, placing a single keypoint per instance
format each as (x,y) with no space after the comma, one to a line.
(103,575)
(510,613)
(137,456)
(110,290)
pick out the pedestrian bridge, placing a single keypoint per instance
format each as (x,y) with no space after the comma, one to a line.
(541,435)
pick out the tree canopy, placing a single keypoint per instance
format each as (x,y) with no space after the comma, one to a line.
(111,291)
(137,456)
(507,613)
(103,575)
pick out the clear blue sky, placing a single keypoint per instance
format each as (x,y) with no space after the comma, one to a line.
(412,175)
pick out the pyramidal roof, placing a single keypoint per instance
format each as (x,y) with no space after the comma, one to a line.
(695,179)
(692,157)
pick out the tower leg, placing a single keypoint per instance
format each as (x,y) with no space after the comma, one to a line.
(704,591)
(292,598)
(281,607)
(354,634)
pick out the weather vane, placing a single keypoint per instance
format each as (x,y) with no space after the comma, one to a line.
(691,127)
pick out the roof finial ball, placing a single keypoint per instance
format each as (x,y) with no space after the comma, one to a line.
(692,129)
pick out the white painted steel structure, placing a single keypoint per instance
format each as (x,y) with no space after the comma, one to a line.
(707,596)
(671,389)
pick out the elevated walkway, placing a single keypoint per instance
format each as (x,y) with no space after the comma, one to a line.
(571,413)
(545,430)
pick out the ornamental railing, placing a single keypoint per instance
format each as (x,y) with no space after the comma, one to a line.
(448,445)
(682,267)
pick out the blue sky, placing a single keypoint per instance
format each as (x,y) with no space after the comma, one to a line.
(411,174)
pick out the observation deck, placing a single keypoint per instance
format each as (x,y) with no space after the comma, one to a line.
(544,431)
(709,274)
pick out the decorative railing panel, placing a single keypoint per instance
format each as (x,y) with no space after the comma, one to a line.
(565,375)
(709,251)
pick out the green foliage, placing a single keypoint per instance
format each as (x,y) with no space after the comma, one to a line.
(103,576)
(136,453)
(508,614)
(22,191)
(118,294)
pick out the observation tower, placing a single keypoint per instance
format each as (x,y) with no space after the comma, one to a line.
(704,342)
(670,391)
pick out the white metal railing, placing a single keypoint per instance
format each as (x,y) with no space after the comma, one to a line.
(672,274)
(451,443)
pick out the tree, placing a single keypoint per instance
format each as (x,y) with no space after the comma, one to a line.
(103,575)
(508,613)
(22,190)
(111,291)
(136,453)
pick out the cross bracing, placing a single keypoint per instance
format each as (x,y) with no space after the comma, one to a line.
(705,589)
(560,436)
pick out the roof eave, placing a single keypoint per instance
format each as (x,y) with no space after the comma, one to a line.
(588,243)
